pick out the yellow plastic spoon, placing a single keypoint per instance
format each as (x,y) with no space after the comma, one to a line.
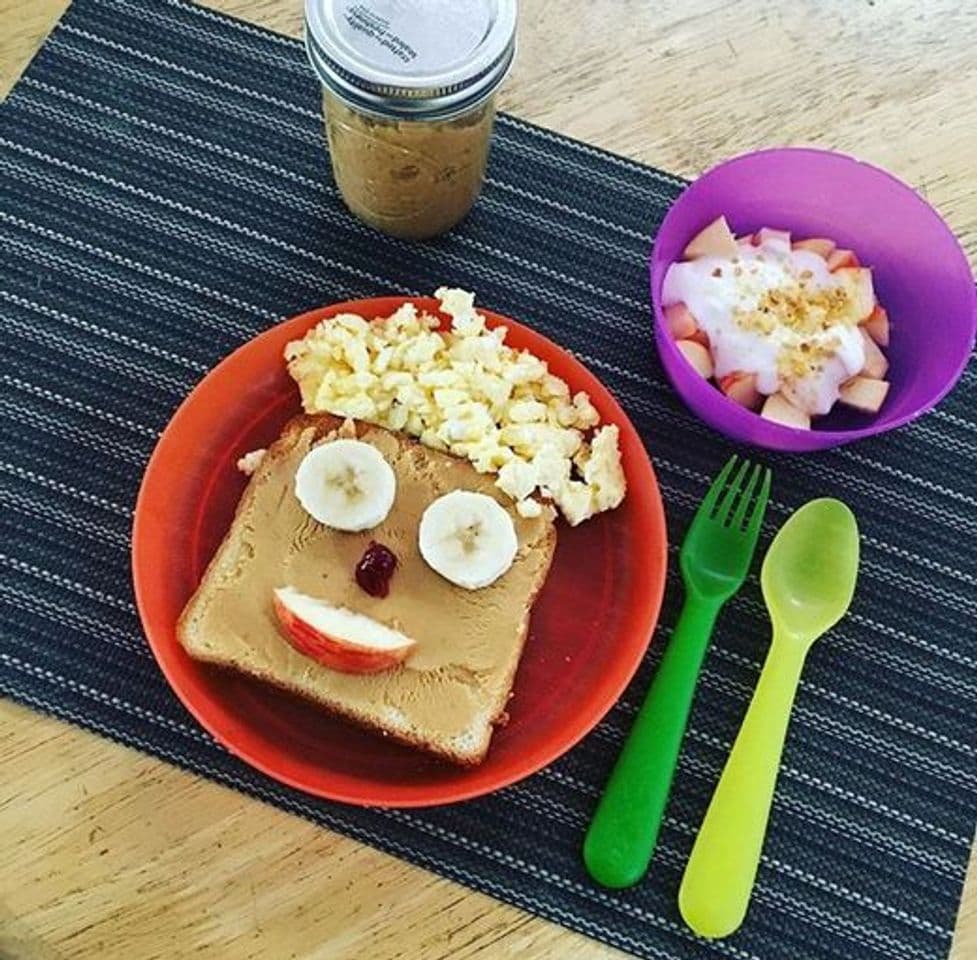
(808,579)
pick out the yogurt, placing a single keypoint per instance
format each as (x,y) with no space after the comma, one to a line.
(775,312)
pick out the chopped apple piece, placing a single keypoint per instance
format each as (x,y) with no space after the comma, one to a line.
(864,394)
(716,240)
(822,246)
(842,258)
(336,637)
(747,240)
(741,388)
(877,326)
(780,238)
(858,283)
(876,365)
(697,355)
(778,409)
(681,323)
(700,336)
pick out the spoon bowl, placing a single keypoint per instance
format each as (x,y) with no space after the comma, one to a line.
(809,572)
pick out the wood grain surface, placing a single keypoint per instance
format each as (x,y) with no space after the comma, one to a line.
(107,853)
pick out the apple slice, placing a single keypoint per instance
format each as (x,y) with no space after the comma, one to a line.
(747,240)
(779,238)
(697,355)
(716,240)
(822,246)
(876,365)
(857,281)
(336,637)
(681,323)
(863,393)
(877,326)
(842,258)
(778,409)
(700,336)
(741,388)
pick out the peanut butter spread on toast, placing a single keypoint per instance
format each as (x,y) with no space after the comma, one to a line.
(456,681)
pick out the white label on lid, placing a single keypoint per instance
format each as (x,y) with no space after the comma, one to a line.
(414,37)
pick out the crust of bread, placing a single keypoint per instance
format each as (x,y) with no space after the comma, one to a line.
(204,650)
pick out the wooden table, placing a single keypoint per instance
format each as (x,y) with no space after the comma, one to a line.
(105,852)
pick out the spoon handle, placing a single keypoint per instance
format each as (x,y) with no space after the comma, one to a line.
(718,880)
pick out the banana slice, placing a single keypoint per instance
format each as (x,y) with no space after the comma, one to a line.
(468,538)
(346,484)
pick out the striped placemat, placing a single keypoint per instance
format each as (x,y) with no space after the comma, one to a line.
(166,195)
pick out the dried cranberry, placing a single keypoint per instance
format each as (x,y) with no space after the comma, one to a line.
(375,569)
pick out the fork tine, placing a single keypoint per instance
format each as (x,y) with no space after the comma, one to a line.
(735,486)
(759,507)
(744,503)
(712,495)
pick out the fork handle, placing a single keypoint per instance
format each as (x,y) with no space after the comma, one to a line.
(622,834)
(718,880)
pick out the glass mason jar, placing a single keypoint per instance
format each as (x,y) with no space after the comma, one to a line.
(408,103)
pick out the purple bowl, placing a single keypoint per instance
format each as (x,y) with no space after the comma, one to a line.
(921,277)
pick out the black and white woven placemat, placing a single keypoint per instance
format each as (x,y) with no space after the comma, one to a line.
(165,195)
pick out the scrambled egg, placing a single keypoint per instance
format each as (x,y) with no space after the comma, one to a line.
(467,392)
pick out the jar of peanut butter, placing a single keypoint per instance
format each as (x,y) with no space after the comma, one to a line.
(408,103)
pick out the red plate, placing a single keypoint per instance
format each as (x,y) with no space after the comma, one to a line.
(590,626)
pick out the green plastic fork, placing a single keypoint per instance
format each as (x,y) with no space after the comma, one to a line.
(715,559)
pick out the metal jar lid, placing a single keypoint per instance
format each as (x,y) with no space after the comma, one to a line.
(426,59)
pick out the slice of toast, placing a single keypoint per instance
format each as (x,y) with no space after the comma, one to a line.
(454,686)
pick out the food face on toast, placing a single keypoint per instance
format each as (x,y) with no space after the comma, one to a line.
(387,570)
